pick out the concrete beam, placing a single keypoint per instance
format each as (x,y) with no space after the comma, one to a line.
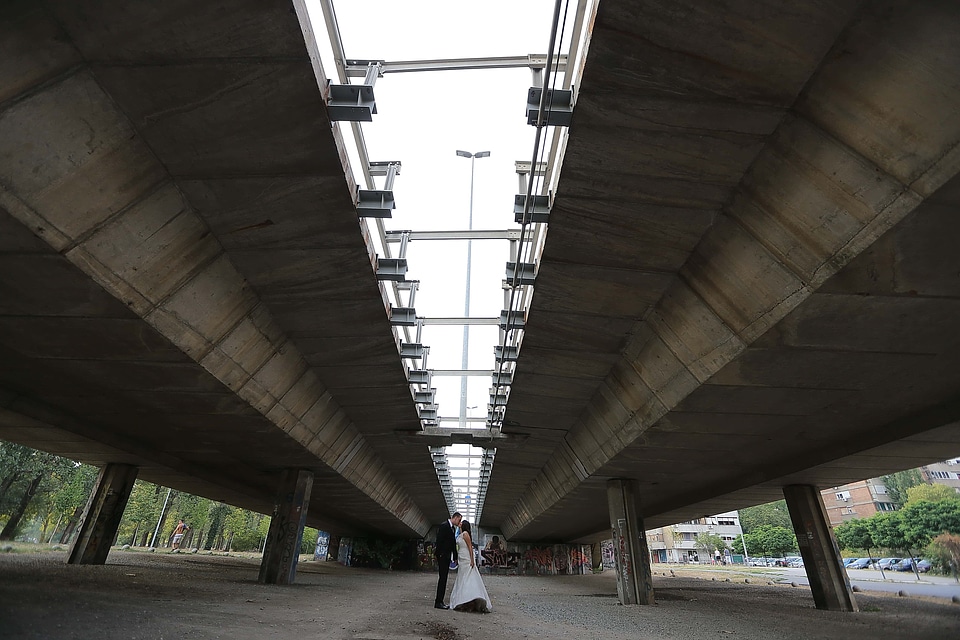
(634,577)
(282,548)
(822,186)
(818,547)
(101,517)
(98,133)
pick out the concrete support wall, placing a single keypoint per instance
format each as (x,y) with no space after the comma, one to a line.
(634,579)
(821,556)
(101,517)
(282,549)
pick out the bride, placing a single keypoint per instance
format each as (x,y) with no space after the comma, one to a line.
(468,593)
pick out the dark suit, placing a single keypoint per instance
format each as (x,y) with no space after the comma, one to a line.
(446,542)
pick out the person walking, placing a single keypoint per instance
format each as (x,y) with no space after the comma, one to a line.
(178,535)
(446,542)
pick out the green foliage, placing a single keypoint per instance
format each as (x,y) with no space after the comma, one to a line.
(899,483)
(886,530)
(931,493)
(709,542)
(773,514)
(771,541)
(243,528)
(855,534)
(142,513)
(737,546)
(921,521)
(37,486)
(309,542)
(944,552)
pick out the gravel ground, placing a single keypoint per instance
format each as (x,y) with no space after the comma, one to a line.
(185,596)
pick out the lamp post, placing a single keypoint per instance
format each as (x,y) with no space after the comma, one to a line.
(466,304)
(746,557)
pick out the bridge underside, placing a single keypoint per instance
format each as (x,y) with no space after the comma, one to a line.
(750,274)
(749,278)
(184,281)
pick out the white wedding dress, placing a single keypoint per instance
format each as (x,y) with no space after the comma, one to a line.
(468,590)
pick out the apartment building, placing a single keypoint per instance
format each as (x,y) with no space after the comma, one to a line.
(677,543)
(867,497)
(856,500)
(946,473)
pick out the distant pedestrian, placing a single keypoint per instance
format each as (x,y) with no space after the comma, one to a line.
(178,535)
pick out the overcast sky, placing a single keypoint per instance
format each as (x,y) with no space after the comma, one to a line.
(422,119)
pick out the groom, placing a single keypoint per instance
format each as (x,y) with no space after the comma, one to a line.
(446,542)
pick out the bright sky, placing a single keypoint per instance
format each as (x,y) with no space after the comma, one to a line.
(422,119)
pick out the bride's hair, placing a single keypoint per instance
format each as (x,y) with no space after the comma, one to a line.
(465,526)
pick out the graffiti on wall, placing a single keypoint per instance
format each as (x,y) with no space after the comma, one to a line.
(323,546)
(499,557)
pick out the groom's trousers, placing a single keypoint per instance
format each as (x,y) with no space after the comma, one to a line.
(444,568)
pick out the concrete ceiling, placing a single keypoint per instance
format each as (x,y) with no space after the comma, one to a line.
(749,278)
(185,278)
(714,315)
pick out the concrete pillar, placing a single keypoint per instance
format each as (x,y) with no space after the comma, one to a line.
(282,548)
(634,578)
(821,556)
(101,517)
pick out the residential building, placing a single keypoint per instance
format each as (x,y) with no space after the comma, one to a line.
(946,473)
(867,497)
(677,543)
(856,500)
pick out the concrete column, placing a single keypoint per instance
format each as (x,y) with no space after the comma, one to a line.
(282,548)
(101,517)
(821,556)
(634,578)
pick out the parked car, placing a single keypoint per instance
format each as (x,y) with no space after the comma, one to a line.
(796,563)
(860,563)
(907,565)
(848,561)
(886,563)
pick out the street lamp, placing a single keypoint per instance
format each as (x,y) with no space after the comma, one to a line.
(746,557)
(466,304)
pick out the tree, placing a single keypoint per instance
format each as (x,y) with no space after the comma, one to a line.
(931,493)
(898,483)
(30,471)
(779,540)
(756,542)
(14,459)
(921,521)
(709,542)
(773,513)
(737,546)
(947,547)
(142,513)
(218,513)
(855,534)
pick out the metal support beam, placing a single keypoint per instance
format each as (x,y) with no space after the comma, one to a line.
(818,547)
(101,517)
(358,68)
(634,578)
(282,548)
(353,102)
(467,234)
(459,321)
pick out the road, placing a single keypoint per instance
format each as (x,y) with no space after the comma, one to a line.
(892,581)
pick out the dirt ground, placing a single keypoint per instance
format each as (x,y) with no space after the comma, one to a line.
(185,596)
